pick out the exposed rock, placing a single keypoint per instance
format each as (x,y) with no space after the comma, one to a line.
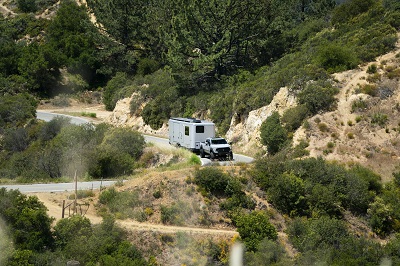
(246,135)
(122,117)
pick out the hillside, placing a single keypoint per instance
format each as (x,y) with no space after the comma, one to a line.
(321,77)
(347,134)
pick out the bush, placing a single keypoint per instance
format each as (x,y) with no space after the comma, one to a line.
(16,110)
(110,163)
(294,117)
(313,234)
(27,6)
(359,105)
(70,229)
(380,217)
(255,227)
(212,180)
(268,253)
(372,69)
(323,201)
(272,134)
(287,194)
(111,92)
(349,9)
(317,97)
(147,66)
(336,58)
(27,217)
(379,118)
(369,89)
(124,140)
(53,127)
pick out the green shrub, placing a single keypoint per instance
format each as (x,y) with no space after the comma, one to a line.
(369,89)
(27,6)
(323,127)
(268,252)
(294,117)
(107,196)
(272,134)
(147,66)
(323,201)
(287,194)
(350,9)
(336,58)
(174,214)
(359,105)
(16,110)
(313,234)
(379,118)
(380,217)
(71,229)
(374,180)
(212,180)
(317,97)
(350,135)
(61,100)
(27,218)
(111,92)
(254,227)
(330,145)
(372,69)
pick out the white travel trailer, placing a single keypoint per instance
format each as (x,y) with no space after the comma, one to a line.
(189,132)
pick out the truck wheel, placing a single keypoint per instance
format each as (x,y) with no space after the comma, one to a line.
(230,156)
(212,155)
(202,153)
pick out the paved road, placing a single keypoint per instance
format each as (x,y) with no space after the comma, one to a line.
(58,187)
(46,116)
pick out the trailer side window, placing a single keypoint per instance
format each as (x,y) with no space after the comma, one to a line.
(200,129)
(186,131)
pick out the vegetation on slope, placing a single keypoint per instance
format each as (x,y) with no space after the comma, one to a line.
(217,56)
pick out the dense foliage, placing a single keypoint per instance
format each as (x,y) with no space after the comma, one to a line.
(74,238)
(55,149)
(183,57)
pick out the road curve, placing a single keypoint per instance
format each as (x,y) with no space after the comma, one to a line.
(61,187)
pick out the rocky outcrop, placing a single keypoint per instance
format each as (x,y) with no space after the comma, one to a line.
(122,117)
(246,135)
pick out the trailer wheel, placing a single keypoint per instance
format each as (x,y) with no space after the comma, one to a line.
(202,153)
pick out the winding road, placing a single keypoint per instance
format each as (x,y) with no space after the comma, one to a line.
(60,187)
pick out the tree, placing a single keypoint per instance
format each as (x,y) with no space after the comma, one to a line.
(288,194)
(112,90)
(71,42)
(16,110)
(27,5)
(272,133)
(68,230)
(28,219)
(214,38)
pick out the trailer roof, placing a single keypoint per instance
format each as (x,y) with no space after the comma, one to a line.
(190,120)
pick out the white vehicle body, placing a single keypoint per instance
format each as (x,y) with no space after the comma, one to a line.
(216,148)
(189,132)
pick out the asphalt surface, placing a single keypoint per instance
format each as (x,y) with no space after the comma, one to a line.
(60,187)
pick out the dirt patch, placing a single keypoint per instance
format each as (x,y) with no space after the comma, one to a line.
(351,135)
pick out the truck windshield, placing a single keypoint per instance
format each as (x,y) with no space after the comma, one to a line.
(218,141)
